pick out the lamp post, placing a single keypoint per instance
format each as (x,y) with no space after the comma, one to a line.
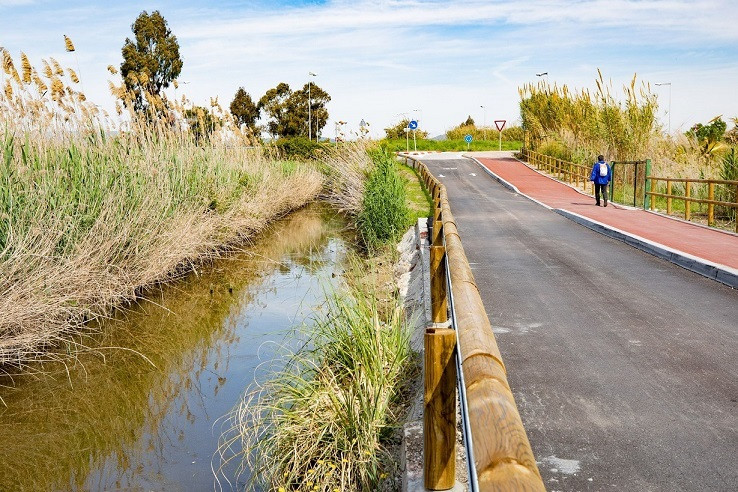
(310,104)
(669,84)
(417,121)
(484,124)
(543,74)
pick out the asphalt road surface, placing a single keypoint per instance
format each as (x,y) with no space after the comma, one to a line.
(624,367)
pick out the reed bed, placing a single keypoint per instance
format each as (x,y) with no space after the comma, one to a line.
(579,125)
(91,212)
(320,422)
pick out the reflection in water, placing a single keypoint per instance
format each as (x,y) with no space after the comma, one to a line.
(139,411)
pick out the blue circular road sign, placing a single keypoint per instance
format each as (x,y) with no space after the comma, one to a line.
(413,125)
(467,138)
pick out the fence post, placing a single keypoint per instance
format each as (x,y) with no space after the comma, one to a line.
(648,200)
(439,412)
(668,196)
(687,203)
(439,299)
(711,206)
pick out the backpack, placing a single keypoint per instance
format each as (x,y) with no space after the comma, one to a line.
(603,169)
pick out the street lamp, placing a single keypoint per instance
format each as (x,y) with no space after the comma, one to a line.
(484,125)
(417,123)
(310,104)
(407,131)
(669,84)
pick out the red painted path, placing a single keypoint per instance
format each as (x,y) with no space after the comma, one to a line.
(708,244)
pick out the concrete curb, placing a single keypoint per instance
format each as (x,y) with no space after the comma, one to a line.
(713,271)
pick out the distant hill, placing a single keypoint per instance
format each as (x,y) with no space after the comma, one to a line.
(439,138)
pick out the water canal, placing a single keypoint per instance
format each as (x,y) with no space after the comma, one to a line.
(143,408)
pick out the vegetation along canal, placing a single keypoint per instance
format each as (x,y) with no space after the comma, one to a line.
(143,407)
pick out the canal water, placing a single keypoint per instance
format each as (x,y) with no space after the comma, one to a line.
(143,407)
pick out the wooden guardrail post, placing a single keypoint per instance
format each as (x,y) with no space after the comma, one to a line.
(736,208)
(650,200)
(439,294)
(687,202)
(668,196)
(710,205)
(439,412)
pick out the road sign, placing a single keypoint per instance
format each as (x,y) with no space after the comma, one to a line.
(500,124)
(467,138)
(413,125)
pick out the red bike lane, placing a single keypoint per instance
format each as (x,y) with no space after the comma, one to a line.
(714,246)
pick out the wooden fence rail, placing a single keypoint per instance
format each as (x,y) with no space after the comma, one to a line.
(578,175)
(688,199)
(504,459)
(570,172)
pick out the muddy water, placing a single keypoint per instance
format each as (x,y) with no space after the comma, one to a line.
(143,408)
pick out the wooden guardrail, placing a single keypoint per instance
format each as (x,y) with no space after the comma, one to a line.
(570,172)
(504,459)
(688,198)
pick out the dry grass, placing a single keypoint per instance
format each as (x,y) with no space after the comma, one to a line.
(90,216)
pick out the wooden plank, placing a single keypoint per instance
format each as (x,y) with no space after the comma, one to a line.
(439,415)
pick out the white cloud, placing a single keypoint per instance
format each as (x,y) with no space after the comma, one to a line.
(379,58)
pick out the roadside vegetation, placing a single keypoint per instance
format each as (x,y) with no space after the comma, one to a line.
(90,217)
(577,126)
(327,419)
(483,138)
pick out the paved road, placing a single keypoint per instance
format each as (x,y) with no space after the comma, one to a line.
(624,367)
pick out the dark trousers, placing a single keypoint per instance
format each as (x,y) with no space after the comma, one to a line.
(603,188)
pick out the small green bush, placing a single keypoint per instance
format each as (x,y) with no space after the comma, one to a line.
(384,214)
(298,148)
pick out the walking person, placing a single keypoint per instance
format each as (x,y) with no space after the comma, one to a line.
(601,176)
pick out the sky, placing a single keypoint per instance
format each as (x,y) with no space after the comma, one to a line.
(433,61)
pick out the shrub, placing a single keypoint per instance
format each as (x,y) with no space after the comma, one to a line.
(298,148)
(384,214)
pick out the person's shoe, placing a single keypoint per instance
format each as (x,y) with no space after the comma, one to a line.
(606,203)
(598,204)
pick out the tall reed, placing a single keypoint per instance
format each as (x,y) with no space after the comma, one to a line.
(591,123)
(91,212)
(319,423)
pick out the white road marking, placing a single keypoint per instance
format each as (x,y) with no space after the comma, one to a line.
(441,176)
(449,168)
(472,174)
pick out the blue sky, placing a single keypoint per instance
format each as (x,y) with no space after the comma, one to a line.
(437,61)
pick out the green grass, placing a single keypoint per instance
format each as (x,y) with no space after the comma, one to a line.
(320,423)
(384,215)
(399,145)
(418,200)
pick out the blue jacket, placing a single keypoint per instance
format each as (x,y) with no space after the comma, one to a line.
(595,176)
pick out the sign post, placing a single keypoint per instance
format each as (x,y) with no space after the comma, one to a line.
(500,124)
(413,125)
(468,140)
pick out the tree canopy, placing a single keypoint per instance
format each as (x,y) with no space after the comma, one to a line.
(398,131)
(150,61)
(287,111)
(243,109)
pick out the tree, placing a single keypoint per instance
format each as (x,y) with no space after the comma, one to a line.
(469,121)
(273,104)
(151,61)
(243,109)
(710,135)
(288,111)
(398,131)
